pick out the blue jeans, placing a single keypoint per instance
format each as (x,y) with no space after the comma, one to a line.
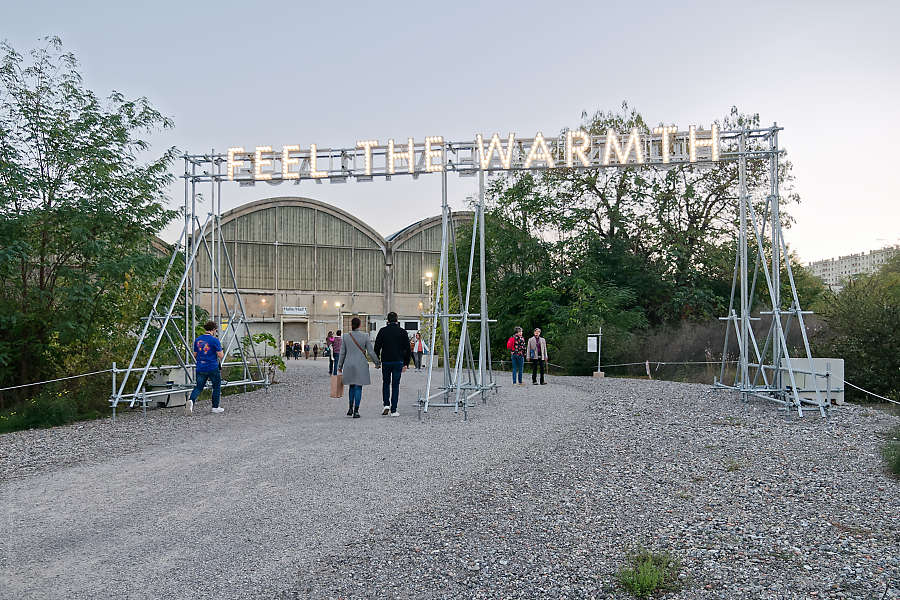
(390,383)
(355,396)
(518,365)
(214,377)
(334,368)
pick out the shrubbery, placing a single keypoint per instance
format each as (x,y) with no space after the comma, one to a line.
(54,406)
(863,328)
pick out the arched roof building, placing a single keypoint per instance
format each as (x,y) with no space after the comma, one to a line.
(300,262)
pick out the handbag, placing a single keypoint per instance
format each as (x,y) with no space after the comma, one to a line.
(337,386)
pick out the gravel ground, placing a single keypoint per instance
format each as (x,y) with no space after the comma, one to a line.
(539,495)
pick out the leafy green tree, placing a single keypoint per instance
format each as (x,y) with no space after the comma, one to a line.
(673,228)
(79,208)
(271,361)
(864,329)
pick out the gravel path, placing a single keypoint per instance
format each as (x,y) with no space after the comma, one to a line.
(538,495)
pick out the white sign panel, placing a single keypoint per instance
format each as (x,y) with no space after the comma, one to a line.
(592,344)
(301,311)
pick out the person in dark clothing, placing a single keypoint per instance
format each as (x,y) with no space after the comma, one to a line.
(392,348)
(315,351)
(537,352)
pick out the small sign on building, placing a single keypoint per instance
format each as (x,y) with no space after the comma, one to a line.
(299,311)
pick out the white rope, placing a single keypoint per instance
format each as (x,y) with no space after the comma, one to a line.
(871,393)
(657,363)
(15,387)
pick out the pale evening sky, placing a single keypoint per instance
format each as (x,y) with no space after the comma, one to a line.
(273,73)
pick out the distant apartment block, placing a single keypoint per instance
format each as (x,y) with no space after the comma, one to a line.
(836,271)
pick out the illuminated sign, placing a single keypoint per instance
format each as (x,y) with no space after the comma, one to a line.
(576,149)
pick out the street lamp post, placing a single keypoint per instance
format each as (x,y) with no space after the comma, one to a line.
(339,308)
(428,279)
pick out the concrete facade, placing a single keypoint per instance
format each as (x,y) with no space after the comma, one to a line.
(834,272)
(304,268)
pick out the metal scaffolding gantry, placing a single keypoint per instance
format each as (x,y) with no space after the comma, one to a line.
(172,323)
(463,380)
(767,372)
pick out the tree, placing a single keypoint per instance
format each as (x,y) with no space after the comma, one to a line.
(674,226)
(78,212)
(864,329)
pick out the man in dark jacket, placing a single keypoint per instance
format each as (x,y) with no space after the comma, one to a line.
(392,347)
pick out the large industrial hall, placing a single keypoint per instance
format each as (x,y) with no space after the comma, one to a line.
(304,267)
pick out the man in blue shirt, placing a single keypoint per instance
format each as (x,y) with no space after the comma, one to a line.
(207,352)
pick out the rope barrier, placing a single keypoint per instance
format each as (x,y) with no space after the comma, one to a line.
(24,385)
(870,393)
(657,363)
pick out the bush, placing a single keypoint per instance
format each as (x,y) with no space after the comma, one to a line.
(53,407)
(647,573)
(864,329)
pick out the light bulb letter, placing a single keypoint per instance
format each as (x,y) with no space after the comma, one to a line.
(393,156)
(367,145)
(431,154)
(539,151)
(313,163)
(579,150)
(666,140)
(234,164)
(712,142)
(287,161)
(485,157)
(612,143)
(260,162)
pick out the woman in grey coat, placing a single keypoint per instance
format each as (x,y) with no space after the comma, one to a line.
(353,364)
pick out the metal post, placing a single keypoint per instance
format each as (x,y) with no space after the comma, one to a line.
(213,234)
(776,250)
(194,230)
(463,336)
(482,284)
(113,390)
(745,310)
(445,289)
(188,285)
(599,339)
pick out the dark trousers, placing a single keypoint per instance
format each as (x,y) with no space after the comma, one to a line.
(390,383)
(355,394)
(334,367)
(417,358)
(215,378)
(535,364)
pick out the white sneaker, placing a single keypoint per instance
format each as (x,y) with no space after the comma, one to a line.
(395,414)
(386,410)
(218,410)
(188,408)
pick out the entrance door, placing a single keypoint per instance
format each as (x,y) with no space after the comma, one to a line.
(296,331)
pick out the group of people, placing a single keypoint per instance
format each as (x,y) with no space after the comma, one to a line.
(297,349)
(349,355)
(535,350)
(391,352)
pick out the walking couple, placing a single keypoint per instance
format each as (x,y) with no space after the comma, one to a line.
(536,350)
(390,352)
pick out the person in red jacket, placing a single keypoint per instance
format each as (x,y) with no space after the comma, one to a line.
(517,345)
